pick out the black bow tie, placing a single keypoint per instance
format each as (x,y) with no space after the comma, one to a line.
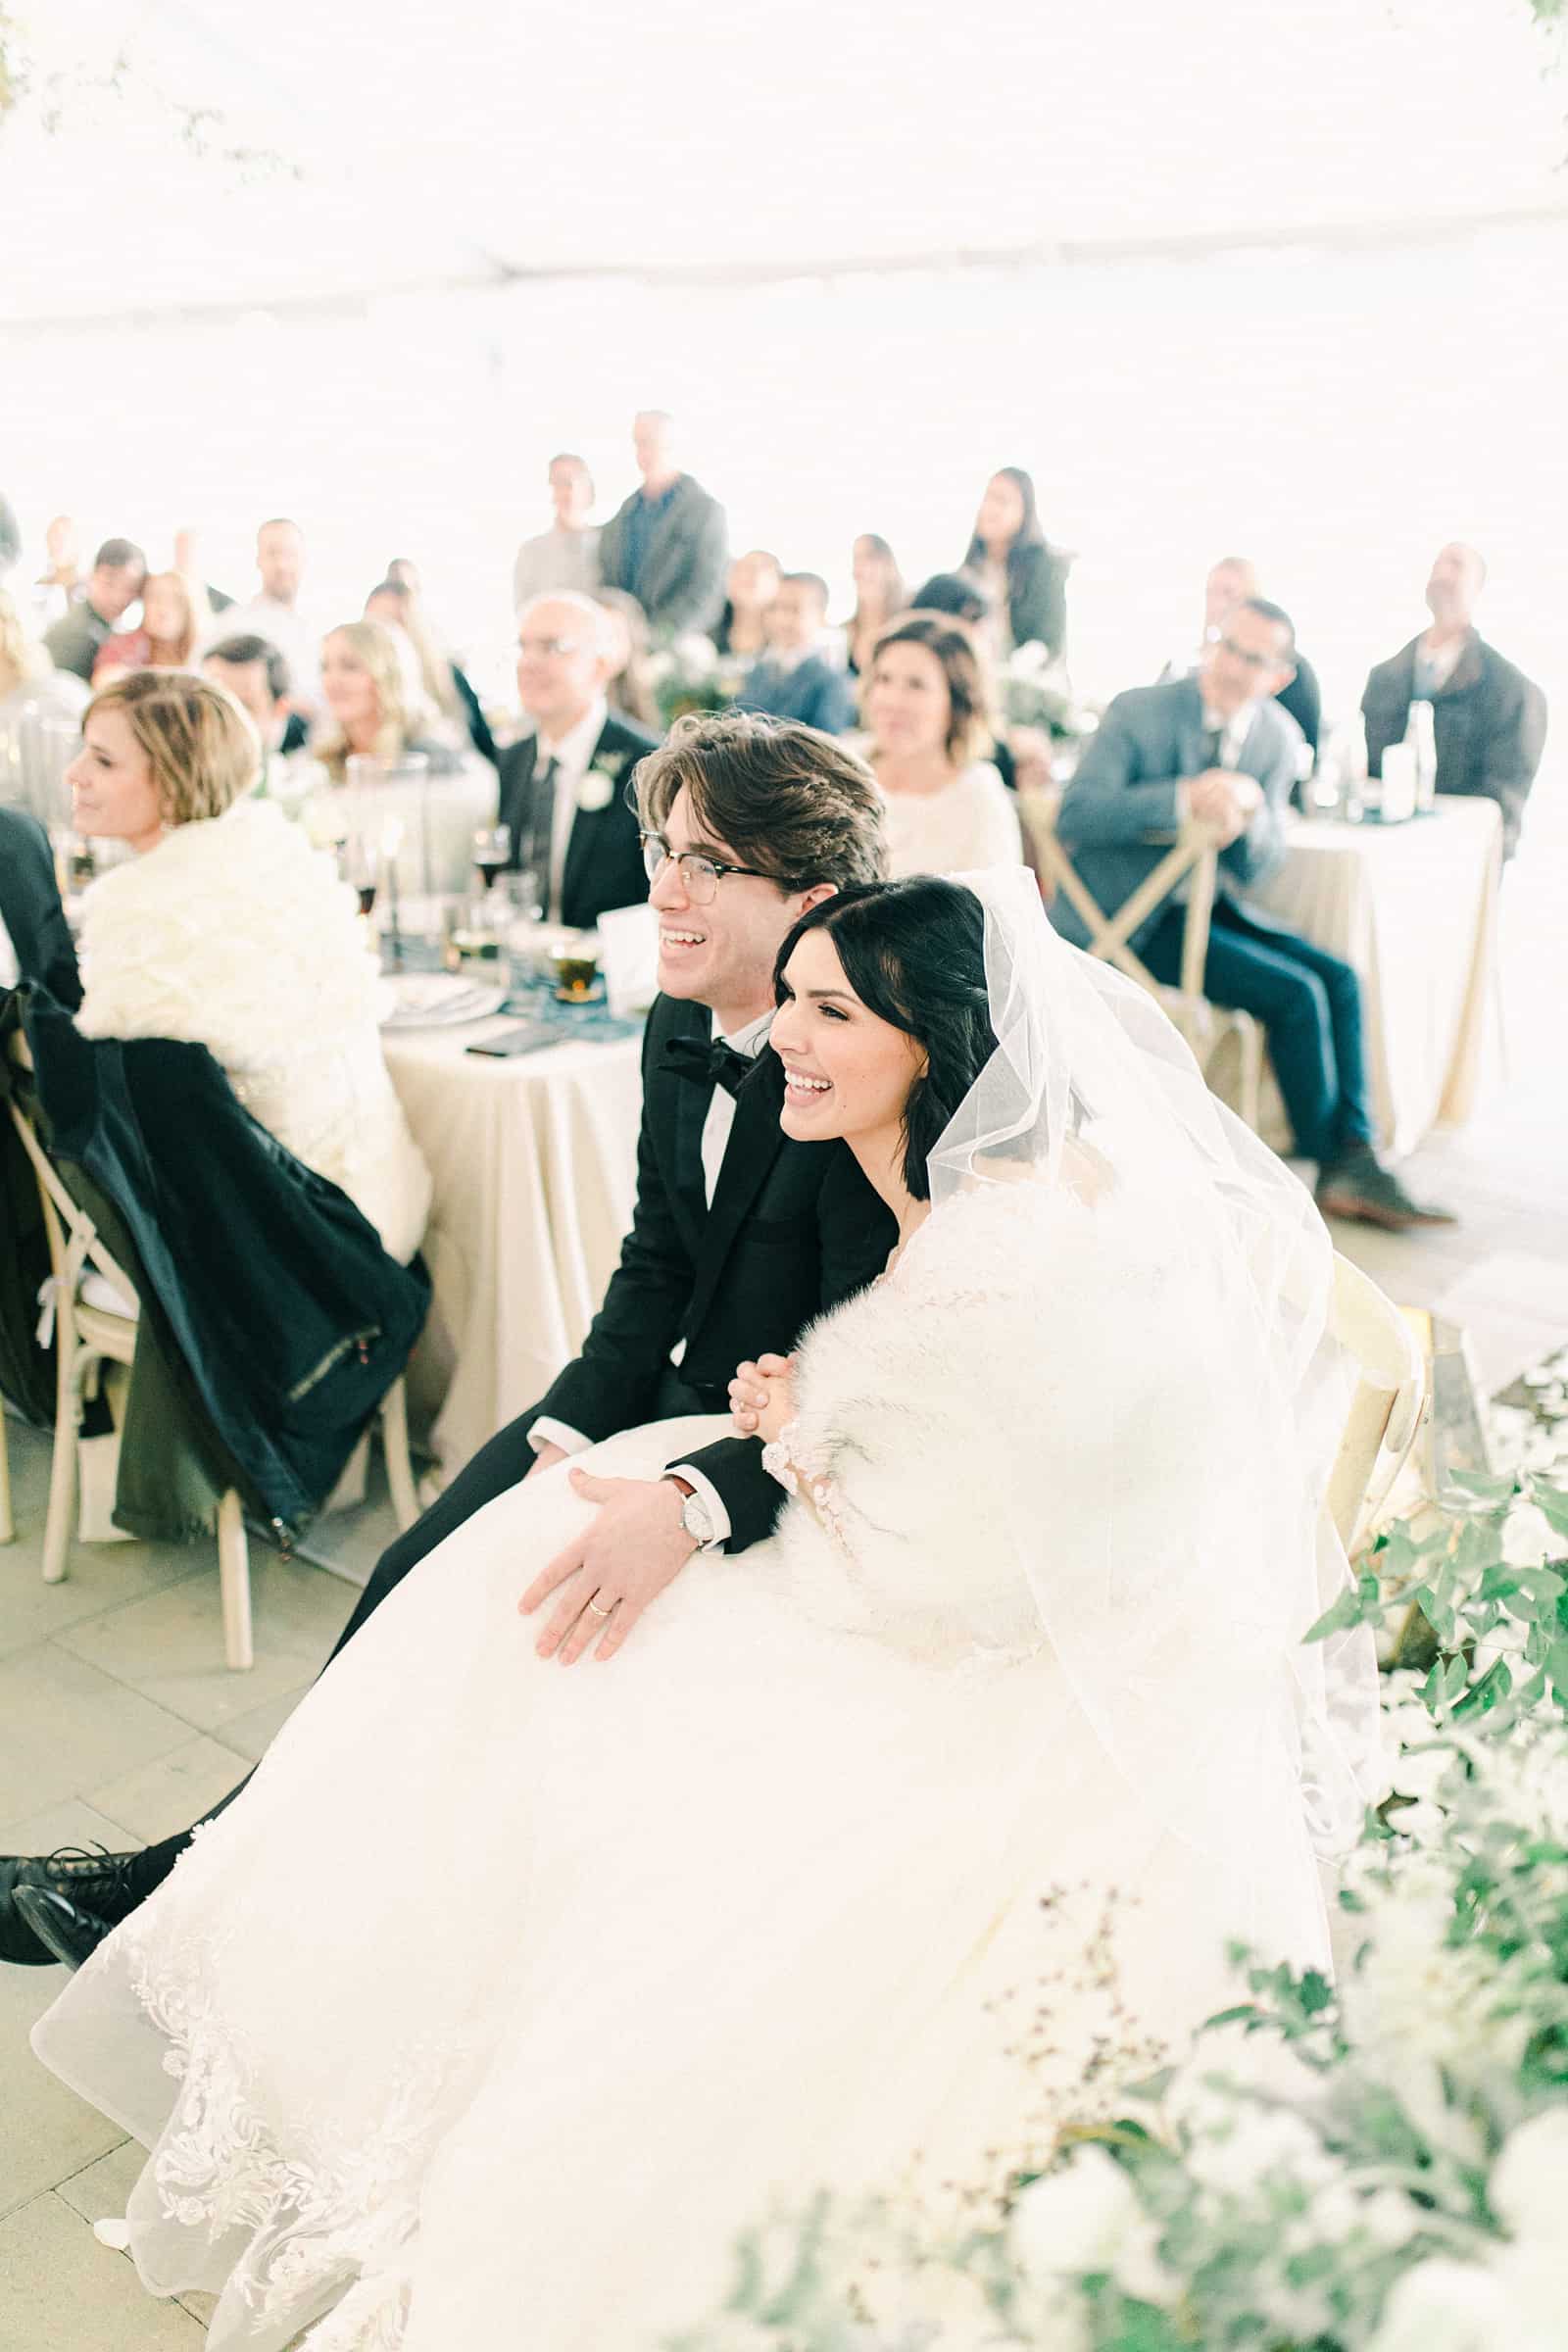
(716,1064)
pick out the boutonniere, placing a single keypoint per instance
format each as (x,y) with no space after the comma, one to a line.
(596,791)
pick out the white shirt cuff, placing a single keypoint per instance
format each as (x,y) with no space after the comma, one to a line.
(545,1432)
(707,1495)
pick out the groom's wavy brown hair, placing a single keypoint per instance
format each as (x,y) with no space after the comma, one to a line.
(796,804)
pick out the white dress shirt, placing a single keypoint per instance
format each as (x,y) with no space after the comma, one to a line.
(296,638)
(572,755)
(717,1127)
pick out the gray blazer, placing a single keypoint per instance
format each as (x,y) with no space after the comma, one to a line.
(682,584)
(1124,797)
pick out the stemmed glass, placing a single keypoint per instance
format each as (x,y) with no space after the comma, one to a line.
(362,869)
(492,851)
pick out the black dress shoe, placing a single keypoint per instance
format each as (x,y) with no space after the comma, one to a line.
(98,1884)
(67,1932)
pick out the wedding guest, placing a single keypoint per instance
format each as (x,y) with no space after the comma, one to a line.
(793,678)
(1490,720)
(35,942)
(59,584)
(1233,581)
(30,682)
(741,630)
(566,556)
(170,631)
(438,677)
(1217,748)
(256,675)
(365,688)
(1024,578)
(565,786)
(924,710)
(958,594)
(629,686)
(880,598)
(665,545)
(113,586)
(228,929)
(274,613)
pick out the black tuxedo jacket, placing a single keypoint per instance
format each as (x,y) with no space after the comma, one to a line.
(793,1229)
(30,909)
(603,865)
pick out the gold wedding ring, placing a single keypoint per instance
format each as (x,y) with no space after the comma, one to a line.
(598,1612)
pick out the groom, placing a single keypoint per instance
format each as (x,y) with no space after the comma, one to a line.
(739,1238)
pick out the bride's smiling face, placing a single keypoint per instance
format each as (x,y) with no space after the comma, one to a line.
(847,1071)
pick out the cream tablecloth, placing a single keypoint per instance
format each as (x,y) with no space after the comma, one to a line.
(1414,909)
(534,1165)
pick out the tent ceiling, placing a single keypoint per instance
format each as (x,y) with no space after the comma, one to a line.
(484,144)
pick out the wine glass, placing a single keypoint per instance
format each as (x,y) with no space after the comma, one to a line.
(362,869)
(492,851)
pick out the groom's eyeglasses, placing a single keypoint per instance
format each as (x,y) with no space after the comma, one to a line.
(700,875)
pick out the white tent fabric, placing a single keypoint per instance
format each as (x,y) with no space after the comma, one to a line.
(477,143)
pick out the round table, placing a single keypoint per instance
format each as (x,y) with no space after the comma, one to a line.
(1414,907)
(534,1164)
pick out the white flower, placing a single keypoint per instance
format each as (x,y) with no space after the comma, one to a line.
(596,791)
(1075,2221)
(904,2298)
(1529,2186)
(1254,2143)
(696,656)
(1444,2306)
(1529,1538)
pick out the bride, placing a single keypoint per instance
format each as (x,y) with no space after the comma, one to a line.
(503,1997)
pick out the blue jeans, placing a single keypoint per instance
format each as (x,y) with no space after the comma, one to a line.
(1309,1004)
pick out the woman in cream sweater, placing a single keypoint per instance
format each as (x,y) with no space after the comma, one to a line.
(226,929)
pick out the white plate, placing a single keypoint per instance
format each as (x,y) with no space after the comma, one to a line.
(435,1000)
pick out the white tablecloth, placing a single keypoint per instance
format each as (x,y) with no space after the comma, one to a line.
(1414,909)
(534,1165)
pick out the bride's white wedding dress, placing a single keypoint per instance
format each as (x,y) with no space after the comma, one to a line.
(507,1994)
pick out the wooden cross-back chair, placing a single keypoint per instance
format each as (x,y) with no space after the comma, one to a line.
(1193,860)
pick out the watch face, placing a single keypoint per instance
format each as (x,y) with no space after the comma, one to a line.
(696,1519)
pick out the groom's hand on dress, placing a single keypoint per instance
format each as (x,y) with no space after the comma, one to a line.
(632,1549)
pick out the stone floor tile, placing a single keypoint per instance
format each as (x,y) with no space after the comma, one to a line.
(65,2292)
(253,1734)
(47,2133)
(174,1791)
(169,1647)
(64,1727)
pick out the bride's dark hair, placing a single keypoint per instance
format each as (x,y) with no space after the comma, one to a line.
(914,953)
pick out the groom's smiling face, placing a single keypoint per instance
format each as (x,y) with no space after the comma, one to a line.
(720,950)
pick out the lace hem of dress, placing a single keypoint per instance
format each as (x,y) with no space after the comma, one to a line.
(331,2216)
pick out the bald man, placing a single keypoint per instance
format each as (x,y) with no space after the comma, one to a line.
(565,786)
(1490,720)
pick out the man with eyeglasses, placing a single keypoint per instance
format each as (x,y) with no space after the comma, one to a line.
(564,787)
(740,1238)
(1217,747)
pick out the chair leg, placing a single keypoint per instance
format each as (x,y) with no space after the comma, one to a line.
(8,1525)
(395,1445)
(234,1583)
(68,1371)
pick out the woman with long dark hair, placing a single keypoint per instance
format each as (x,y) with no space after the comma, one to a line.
(880,596)
(1023,575)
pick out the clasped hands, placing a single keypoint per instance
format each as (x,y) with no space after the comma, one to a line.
(1226,799)
(635,1544)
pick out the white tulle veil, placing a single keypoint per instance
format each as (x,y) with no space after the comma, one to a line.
(1180,1628)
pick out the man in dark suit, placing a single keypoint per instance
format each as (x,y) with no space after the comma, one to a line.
(669,544)
(564,788)
(1217,747)
(1488,720)
(793,678)
(33,921)
(739,1239)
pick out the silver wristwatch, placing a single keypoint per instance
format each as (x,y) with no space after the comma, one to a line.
(698,1521)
